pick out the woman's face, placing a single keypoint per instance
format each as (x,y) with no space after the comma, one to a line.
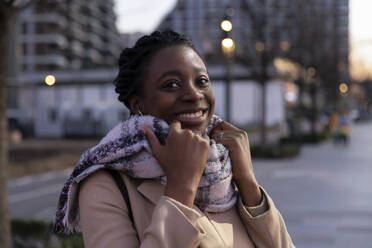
(177,87)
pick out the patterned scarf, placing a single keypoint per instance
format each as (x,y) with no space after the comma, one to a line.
(125,148)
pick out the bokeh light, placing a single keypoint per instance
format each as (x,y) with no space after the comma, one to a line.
(343,88)
(311,71)
(226,25)
(50,80)
(228,45)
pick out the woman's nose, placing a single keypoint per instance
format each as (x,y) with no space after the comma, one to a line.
(192,93)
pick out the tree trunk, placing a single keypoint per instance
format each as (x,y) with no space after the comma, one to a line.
(314,108)
(263,113)
(263,78)
(5,232)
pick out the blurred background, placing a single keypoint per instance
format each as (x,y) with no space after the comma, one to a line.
(296,75)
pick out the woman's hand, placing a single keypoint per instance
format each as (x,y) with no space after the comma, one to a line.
(236,141)
(183,159)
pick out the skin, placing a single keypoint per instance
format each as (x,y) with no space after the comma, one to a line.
(177,82)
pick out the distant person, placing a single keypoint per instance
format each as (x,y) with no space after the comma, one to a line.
(344,127)
(333,126)
(187,174)
(324,122)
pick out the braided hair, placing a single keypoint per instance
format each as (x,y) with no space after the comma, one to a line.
(134,61)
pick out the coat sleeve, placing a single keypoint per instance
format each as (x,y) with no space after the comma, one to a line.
(105,222)
(267,229)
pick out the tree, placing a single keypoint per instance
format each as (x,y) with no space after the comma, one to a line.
(266,38)
(8,10)
(315,46)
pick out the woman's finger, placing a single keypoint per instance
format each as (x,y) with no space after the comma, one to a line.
(206,137)
(220,134)
(228,126)
(175,125)
(224,126)
(153,140)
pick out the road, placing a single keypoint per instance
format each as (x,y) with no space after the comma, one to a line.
(36,196)
(324,195)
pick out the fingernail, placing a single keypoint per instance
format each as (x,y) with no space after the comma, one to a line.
(198,133)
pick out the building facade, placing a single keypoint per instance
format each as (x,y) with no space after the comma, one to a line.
(67,35)
(77,42)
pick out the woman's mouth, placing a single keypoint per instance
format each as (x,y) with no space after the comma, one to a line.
(193,118)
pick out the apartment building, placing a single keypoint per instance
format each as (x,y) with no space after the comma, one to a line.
(77,42)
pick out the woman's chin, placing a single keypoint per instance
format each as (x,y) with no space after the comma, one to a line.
(196,127)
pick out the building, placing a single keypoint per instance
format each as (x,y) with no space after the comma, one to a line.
(76,42)
(67,35)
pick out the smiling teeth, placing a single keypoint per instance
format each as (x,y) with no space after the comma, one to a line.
(191,115)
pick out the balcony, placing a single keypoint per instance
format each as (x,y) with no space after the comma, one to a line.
(52,59)
(96,26)
(51,18)
(94,10)
(94,56)
(58,39)
(77,32)
(96,42)
(77,48)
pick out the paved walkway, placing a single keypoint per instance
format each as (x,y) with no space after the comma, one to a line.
(325,194)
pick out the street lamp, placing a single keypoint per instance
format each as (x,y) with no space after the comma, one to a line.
(311,71)
(343,88)
(226,25)
(50,80)
(228,47)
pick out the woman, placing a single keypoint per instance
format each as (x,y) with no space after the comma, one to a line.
(188,174)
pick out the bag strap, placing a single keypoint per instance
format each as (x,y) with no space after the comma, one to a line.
(123,189)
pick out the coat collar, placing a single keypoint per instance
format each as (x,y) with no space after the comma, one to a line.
(152,190)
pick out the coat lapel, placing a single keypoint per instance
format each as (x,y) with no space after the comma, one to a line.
(152,190)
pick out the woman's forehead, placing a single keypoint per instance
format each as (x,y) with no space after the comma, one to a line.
(175,58)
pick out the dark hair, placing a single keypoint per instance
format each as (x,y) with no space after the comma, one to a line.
(133,61)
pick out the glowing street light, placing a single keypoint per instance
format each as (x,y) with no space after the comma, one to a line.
(311,71)
(343,88)
(50,80)
(228,45)
(226,25)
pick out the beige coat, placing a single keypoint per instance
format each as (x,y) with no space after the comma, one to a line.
(164,222)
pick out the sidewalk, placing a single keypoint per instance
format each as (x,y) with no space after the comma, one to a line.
(325,194)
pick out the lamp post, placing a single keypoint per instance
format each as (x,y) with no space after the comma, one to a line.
(228,47)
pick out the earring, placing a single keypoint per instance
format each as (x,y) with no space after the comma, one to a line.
(139,111)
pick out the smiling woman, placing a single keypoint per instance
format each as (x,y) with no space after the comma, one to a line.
(185,176)
(179,84)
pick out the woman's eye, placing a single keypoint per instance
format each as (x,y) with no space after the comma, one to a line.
(171,85)
(203,81)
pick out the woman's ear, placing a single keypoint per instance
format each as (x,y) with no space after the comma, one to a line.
(135,104)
